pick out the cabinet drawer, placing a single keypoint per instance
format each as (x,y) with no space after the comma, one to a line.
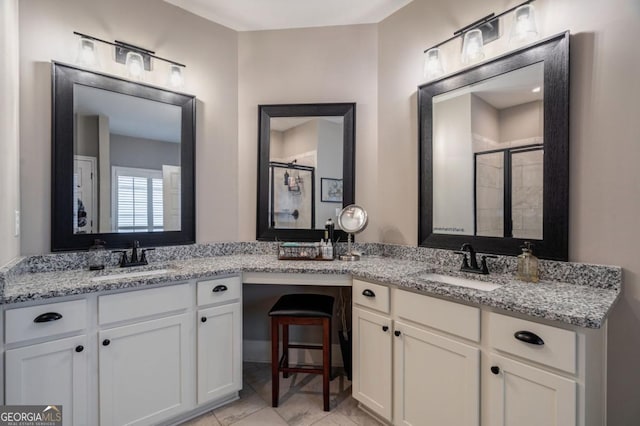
(219,290)
(45,320)
(143,303)
(558,349)
(370,295)
(454,318)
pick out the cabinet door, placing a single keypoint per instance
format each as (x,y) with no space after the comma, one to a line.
(143,371)
(52,373)
(219,351)
(522,395)
(372,361)
(436,379)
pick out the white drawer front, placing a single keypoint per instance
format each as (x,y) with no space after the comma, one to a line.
(454,318)
(21,323)
(219,290)
(370,295)
(143,303)
(558,350)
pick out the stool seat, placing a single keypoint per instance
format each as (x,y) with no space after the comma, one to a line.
(303,305)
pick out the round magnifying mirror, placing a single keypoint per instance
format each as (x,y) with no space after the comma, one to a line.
(352,219)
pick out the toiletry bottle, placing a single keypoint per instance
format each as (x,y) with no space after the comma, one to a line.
(528,264)
(97,255)
(329,228)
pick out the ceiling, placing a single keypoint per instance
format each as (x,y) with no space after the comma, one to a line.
(254,15)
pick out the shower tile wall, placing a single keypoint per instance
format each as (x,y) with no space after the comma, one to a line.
(490,195)
(527,180)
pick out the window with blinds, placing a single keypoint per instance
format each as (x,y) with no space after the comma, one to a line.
(137,200)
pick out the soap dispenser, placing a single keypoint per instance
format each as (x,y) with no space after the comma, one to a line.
(97,255)
(528,264)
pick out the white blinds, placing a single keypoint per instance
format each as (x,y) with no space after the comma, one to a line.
(138,200)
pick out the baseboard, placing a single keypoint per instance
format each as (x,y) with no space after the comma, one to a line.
(260,351)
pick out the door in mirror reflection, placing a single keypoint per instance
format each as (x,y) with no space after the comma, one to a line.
(305,171)
(488,157)
(126,163)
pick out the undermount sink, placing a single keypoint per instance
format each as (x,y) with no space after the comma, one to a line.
(459,281)
(136,274)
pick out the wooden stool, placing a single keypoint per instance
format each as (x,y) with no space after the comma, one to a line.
(300,309)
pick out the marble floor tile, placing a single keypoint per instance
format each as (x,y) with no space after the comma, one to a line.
(249,403)
(265,417)
(335,419)
(207,419)
(349,408)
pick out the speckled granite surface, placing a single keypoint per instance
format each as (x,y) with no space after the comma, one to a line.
(573,293)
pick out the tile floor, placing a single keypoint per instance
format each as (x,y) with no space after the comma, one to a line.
(300,403)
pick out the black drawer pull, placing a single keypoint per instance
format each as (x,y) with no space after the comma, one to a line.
(106,342)
(79,348)
(495,369)
(368,293)
(220,288)
(48,317)
(385,328)
(397,333)
(529,337)
(203,319)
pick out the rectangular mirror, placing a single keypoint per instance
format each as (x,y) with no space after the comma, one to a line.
(494,154)
(123,162)
(306,169)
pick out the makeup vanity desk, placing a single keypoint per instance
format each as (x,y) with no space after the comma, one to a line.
(165,330)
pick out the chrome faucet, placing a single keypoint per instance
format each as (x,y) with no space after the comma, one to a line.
(135,261)
(473,267)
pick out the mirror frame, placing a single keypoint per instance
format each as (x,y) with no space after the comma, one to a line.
(265,112)
(62,236)
(554,52)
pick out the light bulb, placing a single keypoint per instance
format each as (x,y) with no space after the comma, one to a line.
(523,29)
(87,53)
(472,47)
(135,65)
(433,67)
(176,76)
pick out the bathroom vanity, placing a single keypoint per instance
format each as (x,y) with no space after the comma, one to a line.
(163,343)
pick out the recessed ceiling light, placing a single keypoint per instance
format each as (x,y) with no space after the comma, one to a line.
(536,89)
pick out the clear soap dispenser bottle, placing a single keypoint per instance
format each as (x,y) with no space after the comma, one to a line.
(97,255)
(528,264)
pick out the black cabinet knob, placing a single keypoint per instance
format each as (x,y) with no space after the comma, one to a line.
(368,293)
(397,333)
(203,319)
(528,337)
(495,369)
(385,328)
(220,288)
(106,342)
(79,348)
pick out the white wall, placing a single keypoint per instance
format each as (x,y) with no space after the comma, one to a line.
(604,152)
(210,53)
(9,129)
(312,65)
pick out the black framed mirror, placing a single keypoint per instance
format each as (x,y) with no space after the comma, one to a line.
(306,169)
(122,162)
(494,154)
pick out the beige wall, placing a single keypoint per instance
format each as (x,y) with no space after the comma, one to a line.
(9,130)
(605,177)
(337,64)
(524,121)
(210,53)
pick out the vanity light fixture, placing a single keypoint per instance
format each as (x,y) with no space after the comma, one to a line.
(536,89)
(479,33)
(136,59)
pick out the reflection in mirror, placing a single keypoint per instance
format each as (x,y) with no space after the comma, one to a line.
(126,163)
(488,157)
(305,169)
(494,154)
(123,164)
(305,162)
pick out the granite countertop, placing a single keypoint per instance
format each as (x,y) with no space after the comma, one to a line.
(583,304)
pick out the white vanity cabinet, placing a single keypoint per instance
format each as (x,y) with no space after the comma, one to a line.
(43,365)
(145,368)
(219,357)
(406,372)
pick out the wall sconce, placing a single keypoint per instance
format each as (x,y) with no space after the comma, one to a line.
(136,59)
(479,33)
